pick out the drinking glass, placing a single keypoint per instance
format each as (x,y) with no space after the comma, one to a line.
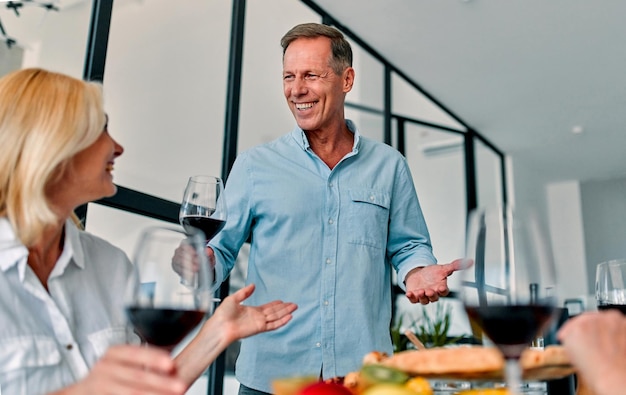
(611,285)
(203,206)
(508,284)
(162,308)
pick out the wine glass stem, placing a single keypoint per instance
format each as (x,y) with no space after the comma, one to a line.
(513,374)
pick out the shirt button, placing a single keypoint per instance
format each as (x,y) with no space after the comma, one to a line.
(372,198)
(325,303)
(330,221)
(328,261)
(318,344)
(69,347)
(330,184)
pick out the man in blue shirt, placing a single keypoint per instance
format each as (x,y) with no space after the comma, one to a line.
(329,213)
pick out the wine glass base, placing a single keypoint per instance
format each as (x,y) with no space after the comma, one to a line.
(450,387)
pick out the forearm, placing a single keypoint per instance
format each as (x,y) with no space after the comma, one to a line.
(64,391)
(193,360)
(611,382)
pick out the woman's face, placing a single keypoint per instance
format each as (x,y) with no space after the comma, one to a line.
(89,173)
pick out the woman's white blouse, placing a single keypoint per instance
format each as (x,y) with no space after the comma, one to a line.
(50,339)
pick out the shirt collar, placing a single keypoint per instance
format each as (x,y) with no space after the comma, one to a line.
(300,137)
(14,253)
(73,246)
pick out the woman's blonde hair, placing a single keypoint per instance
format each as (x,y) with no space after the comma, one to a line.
(45,119)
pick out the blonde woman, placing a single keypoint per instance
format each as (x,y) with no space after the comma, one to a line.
(62,326)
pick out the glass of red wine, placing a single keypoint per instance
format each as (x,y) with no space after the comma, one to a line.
(509,285)
(203,206)
(162,308)
(611,285)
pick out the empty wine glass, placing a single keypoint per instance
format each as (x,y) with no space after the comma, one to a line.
(203,206)
(611,285)
(162,308)
(509,286)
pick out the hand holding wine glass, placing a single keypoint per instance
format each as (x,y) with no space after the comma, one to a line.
(509,292)
(204,206)
(161,308)
(611,285)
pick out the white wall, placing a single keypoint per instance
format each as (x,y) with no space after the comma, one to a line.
(567,235)
(604,218)
(585,219)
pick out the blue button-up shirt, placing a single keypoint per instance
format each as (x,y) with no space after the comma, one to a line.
(326,240)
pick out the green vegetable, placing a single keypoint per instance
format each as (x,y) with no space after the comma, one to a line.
(376,374)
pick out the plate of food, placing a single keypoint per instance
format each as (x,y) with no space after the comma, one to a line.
(414,372)
(477,363)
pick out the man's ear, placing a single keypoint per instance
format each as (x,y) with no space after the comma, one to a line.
(348,79)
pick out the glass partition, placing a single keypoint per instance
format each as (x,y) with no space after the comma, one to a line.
(407,101)
(369,125)
(488,176)
(436,159)
(369,86)
(165,89)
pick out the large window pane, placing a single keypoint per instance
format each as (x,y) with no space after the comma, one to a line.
(488,175)
(118,227)
(264,113)
(368,89)
(165,88)
(436,160)
(369,125)
(408,101)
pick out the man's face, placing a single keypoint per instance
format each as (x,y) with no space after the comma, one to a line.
(315,94)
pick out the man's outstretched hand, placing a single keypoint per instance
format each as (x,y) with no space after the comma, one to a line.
(426,284)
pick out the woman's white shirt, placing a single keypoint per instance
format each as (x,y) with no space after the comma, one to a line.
(50,339)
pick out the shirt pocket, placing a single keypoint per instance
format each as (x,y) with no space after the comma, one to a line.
(105,338)
(21,355)
(368,216)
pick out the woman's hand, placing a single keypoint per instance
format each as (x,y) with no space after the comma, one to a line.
(596,345)
(230,321)
(239,321)
(130,369)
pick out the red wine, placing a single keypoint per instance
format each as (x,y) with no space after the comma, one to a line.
(163,327)
(210,226)
(511,328)
(610,306)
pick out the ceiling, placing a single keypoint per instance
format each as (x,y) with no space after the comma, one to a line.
(526,74)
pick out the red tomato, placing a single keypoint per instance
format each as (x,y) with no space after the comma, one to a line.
(322,388)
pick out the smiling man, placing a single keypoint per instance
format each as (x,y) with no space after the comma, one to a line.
(330,214)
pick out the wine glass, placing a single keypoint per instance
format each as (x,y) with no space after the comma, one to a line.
(203,206)
(611,285)
(508,285)
(162,308)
